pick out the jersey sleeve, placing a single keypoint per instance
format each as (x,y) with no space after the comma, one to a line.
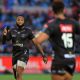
(6,37)
(30,36)
(77,27)
(48,29)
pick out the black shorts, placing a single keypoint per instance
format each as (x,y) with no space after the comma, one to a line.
(62,66)
(22,57)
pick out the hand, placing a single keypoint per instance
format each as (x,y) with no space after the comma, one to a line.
(5,31)
(45,59)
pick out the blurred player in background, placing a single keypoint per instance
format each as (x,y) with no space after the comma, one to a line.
(20,36)
(60,33)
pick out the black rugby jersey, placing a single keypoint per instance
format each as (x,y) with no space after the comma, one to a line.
(20,38)
(61,35)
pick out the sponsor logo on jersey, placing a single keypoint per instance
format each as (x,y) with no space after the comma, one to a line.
(13,35)
(18,32)
(23,35)
(18,44)
(23,31)
(66,28)
(15,30)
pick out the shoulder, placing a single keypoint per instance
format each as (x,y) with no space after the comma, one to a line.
(28,29)
(50,23)
(76,23)
(72,20)
(13,29)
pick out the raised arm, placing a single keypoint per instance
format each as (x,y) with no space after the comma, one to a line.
(6,36)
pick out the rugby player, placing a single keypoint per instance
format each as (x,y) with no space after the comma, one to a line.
(20,36)
(60,33)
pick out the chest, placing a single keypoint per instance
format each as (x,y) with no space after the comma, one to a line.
(19,34)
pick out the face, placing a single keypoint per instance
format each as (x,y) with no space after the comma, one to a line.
(20,20)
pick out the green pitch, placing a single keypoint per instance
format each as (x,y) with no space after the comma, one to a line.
(34,77)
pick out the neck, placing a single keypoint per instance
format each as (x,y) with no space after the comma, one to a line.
(60,16)
(20,27)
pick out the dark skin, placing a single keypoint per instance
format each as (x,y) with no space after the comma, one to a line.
(19,70)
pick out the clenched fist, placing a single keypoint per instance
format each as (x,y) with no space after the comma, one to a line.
(5,31)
